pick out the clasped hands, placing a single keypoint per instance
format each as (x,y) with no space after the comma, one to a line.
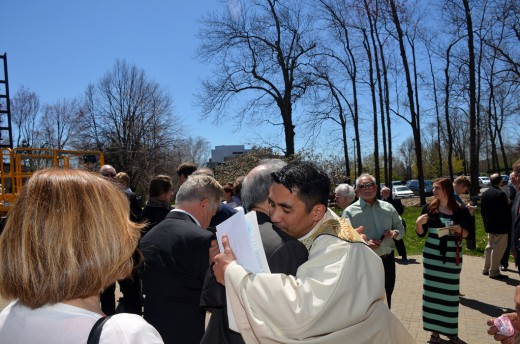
(389,233)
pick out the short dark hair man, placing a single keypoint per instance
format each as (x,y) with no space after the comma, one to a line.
(336,295)
(176,258)
(185,170)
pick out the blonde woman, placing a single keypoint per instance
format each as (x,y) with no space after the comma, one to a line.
(67,237)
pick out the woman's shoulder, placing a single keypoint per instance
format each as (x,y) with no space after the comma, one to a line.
(129,329)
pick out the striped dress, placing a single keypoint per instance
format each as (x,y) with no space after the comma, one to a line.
(441,275)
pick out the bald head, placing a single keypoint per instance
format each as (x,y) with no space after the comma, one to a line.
(107,171)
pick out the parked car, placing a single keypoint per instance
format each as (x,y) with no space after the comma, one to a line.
(401,191)
(428,187)
(413,185)
(484,181)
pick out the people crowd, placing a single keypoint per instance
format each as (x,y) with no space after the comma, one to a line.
(72,236)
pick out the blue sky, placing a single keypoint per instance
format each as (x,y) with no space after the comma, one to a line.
(56,47)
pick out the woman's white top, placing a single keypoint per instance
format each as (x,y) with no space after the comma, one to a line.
(61,323)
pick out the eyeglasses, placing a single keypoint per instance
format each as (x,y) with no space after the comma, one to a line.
(367,185)
(109,175)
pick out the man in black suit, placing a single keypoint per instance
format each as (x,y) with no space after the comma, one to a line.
(176,258)
(497,223)
(131,286)
(515,217)
(284,253)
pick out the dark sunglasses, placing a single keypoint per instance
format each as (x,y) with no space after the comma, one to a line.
(109,175)
(367,185)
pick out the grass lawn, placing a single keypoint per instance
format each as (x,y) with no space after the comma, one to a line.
(414,244)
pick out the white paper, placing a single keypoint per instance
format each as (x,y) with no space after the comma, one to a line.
(443,231)
(245,242)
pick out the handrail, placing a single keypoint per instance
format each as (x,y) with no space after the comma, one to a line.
(17,166)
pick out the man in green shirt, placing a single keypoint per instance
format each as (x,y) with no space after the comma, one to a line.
(381,224)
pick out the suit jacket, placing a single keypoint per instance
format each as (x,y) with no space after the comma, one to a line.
(135,207)
(224,212)
(176,257)
(284,255)
(495,211)
(398,205)
(515,217)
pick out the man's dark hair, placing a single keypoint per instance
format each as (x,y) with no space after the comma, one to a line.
(159,185)
(186,169)
(495,179)
(310,182)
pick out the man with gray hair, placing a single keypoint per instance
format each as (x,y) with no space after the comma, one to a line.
(345,195)
(381,224)
(176,258)
(284,253)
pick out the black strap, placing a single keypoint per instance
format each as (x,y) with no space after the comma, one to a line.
(95,333)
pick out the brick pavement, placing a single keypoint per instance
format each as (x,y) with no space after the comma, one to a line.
(484,298)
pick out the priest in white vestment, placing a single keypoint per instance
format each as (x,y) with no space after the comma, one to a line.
(337,296)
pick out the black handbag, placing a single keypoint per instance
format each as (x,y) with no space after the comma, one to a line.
(95,332)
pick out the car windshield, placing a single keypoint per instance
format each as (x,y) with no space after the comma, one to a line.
(401,188)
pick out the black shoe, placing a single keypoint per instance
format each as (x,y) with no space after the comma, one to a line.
(499,277)
(485,273)
(503,267)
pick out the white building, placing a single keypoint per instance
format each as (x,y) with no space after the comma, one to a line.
(222,153)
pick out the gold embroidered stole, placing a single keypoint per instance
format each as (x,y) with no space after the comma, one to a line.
(339,227)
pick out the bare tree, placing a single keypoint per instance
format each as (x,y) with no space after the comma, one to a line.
(261,50)
(25,108)
(414,119)
(60,123)
(196,150)
(406,150)
(337,15)
(130,118)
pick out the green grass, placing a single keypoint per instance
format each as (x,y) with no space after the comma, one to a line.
(414,244)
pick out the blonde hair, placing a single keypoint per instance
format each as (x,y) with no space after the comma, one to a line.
(123,178)
(68,236)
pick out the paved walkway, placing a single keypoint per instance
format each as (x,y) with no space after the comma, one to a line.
(484,298)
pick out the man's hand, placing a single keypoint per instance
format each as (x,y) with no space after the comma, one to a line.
(390,233)
(360,230)
(493,330)
(222,260)
(374,244)
(213,251)
(515,321)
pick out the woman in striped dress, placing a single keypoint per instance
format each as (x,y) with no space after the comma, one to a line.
(445,223)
